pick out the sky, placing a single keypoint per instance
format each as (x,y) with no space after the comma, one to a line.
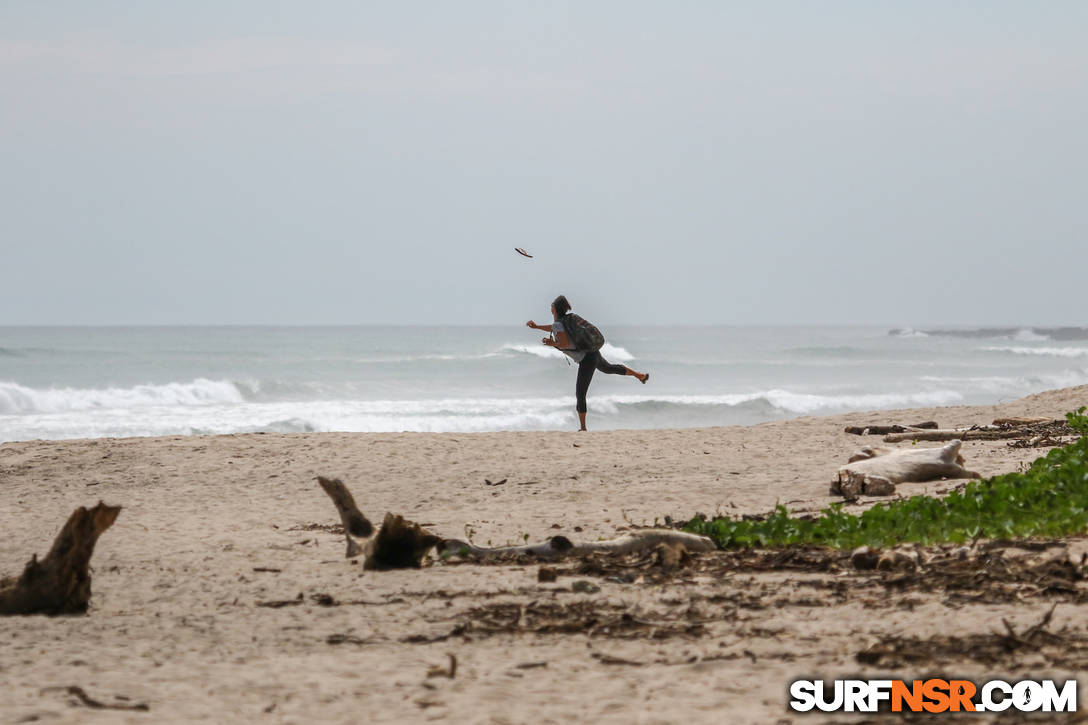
(760,163)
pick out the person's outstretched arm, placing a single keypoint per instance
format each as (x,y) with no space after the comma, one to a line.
(545,328)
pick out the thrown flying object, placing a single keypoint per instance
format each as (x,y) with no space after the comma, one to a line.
(522,252)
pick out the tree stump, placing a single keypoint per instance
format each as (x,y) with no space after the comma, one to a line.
(61,582)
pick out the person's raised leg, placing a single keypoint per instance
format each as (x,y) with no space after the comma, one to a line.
(616,369)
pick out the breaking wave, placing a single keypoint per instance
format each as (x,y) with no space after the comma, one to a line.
(907,332)
(612,353)
(1018,334)
(217,408)
(17,399)
(1068,352)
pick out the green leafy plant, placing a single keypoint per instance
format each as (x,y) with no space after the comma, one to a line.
(1049,498)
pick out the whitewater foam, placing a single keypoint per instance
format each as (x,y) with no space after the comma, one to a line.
(907,332)
(1042,351)
(17,399)
(610,352)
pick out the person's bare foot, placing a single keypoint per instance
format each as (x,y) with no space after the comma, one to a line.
(643,378)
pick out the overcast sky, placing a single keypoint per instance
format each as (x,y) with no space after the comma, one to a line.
(703,162)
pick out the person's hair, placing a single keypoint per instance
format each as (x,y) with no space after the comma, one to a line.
(561,305)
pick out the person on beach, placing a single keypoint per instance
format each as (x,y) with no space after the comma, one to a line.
(588,359)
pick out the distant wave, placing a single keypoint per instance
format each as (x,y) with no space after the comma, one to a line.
(1041,351)
(907,332)
(797,403)
(27,351)
(511,349)
(1007,385)
(1019,334)
(17,399)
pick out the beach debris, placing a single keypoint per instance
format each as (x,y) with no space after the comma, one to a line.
(355,524)
(61,582)
(557,546)
(341,638)
(449,671)
(399,544)
(1017,422)
(875,471)
(671,555)
(1002,429)
(522,252)
(82,698)
(885,429)
(546,574)
(584,586)
(488,482)
(864,559)
(592,617)
(607,659)
(897,559)
(992,648)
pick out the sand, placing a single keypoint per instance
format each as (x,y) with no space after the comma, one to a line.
(214,527)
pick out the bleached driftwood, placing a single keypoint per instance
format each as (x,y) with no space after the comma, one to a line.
(970,434)
(1011,422)
(558,546)
(400,544)
(61,582)
(862,430)
(875,470)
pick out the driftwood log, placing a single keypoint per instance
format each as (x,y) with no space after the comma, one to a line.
(61,582)
(400,544)
(875,471)
(864,430)
(969,434)
(355,524)
(1016,422)
(558,546)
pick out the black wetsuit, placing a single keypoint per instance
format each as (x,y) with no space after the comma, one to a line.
(592,361)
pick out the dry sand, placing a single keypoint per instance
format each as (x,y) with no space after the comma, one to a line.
(214,526)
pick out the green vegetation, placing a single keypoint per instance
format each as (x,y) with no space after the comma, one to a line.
(1050,498)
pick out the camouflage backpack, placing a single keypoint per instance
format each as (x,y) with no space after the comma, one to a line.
(583,334)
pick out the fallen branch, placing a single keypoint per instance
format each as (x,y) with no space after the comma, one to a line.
(1014,422)
(953,434)
(61,582)
(558,546)
(999,431)
(88,701)
(884,429)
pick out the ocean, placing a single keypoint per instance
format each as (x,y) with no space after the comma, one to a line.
(90,382)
